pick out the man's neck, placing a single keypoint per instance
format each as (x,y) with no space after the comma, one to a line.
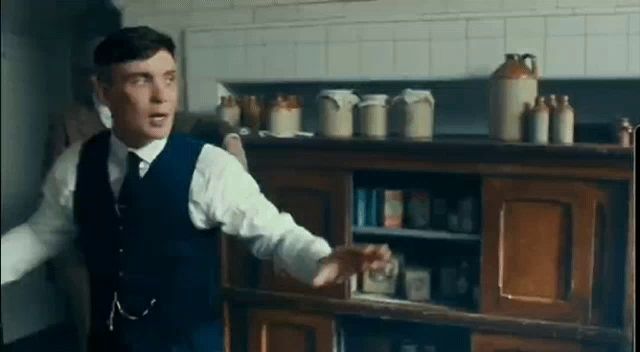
(129,141)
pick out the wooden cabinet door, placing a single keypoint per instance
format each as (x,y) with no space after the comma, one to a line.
(502,343)
(319,201)
(284,331)
(538,248)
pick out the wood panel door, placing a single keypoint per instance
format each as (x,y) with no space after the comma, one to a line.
(319,201)
(503,343)
(538,257)
(285,331)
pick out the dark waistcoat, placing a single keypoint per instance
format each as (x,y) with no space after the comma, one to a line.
(152,252)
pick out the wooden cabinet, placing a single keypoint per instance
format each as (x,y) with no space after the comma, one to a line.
(543,248)
(284,331)
(502,343)
(318,200)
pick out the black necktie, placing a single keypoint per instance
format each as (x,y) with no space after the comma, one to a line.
(130,184)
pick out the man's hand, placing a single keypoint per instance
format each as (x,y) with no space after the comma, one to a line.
(233,144)
(346,261)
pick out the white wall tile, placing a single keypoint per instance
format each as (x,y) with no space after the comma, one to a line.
(624,3)
(310,34)
(528,45)
(382,9)
(255,61)
(202,94)
(489,28)
(220,38)
(217,17)
(311,60)
(253,2)
(254,36)
(278,35)
(448,58)
(378,31)
(275,14)
(525,26)
(531,5)
(634,23)
(434,6)
(412,57)
(205,62)
(343,33)
(376,58)
(607,24)
(209,4)
(321,11)
(474,5)
(634,54)
(607,54)
(236,59)
(411,30)
(484,55)
(565,25)
(444,30)
(565,56)
(580,4)
(279,61)
(343,59)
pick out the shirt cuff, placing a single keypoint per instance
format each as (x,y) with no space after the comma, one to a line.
(311,264)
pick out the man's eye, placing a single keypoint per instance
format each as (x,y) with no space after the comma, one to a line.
(139,80)
(170,79)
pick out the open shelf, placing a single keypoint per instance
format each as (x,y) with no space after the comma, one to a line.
(411,233)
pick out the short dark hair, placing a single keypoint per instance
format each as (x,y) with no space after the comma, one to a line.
(129,44)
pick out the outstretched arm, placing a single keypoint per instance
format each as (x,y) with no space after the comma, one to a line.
(234,199)
(49,229)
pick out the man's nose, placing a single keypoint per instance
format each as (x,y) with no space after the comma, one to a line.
(159,93)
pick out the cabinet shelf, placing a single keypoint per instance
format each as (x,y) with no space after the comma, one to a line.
(411,233)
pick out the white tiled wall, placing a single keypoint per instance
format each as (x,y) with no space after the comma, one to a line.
(257,40)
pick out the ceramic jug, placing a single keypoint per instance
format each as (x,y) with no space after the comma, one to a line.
(336,112)
(372,113)
(416,109)
(512,86)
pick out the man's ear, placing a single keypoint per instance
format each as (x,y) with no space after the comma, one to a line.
(101,90)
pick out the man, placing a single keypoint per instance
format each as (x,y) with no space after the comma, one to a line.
(143,203)
(77,124)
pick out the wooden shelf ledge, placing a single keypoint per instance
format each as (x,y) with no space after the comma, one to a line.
(427,313)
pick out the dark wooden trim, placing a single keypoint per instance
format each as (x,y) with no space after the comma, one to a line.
(426,313)
(585,161)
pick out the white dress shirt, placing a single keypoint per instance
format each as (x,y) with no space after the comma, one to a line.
(221,193)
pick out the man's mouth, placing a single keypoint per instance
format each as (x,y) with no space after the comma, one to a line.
(158,119)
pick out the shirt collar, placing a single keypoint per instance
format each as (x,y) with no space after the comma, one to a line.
(148,153)
(103,112)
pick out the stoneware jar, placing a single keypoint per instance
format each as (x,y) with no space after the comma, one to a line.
(372,112)
(229,111)
(251,113)
(280,122)
(562,123)
(538,126)
(336,112)
(416,109)
(624,132)
(294,103)
(511,87)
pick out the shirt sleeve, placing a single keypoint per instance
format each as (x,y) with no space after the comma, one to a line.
(223,192)
(50,228)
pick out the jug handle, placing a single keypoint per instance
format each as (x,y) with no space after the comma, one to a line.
(534,64)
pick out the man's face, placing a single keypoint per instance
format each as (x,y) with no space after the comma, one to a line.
(142,97)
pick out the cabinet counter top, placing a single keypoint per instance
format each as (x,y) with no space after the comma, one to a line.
(469,154)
